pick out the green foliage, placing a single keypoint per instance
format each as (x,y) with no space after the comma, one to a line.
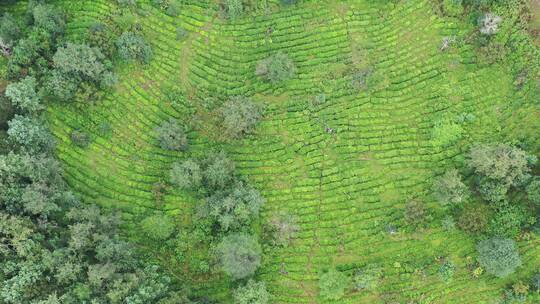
(252,293)
(23,94)
(499,256)
(186,175)
(507,222)
(29,133)
(367,278)
(239,116)
(49,18)
(283,228)
(236,207)
(240,255)
(80,61)
(158,227)
(333,284)
(453,7)
(533,191)
(450,190)
(10,31)
(535,281)
(102,37)
(361,79)
(473,219)
(276,68)
(233,9)
(446,132)
(447,270)
(415,213)
(6,112)
(172,136)
(133,47)
(80,138)
(218,171)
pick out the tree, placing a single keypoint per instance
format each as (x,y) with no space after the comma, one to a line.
(10,32)
(498,256)
(158,227)
(186,175)
(233,8)
(252,293)
(240,255)
(276,68)
(23,94)
(499,162)
(450,190)
(133,47)
(284,228)
(81,61)
(507,221)
(333,284)
(473,219)
(239,116)
(533,191)
(218,171)
(49,18)
(172,136)
(235,208)
(489,24)
(29,133)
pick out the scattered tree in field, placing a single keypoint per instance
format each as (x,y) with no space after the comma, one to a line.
(186,175)
(489,24)
(252,293)
(232,8)
(283,228)
(80,138)
(500,257)
(239,116)
(29,133)
(276,68)
(473,219)
(158,227)
(218,171)
(333,284)
(235,208)
(23,94)
(450,190)
(367,278)
(133,47)
(240,255)
(172,136)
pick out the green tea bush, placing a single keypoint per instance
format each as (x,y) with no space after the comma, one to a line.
(450,190)
(251,293)
(499,256)
(239,255)
(276,68)
(158,227)
(446,132)
(333,284)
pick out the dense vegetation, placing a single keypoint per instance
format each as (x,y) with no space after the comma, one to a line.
(242,151)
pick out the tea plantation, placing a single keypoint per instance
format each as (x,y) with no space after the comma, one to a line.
(385,98)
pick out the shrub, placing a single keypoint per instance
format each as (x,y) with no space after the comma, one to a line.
(489,24)
(218,171)
(333,284)
(186,175)
(473,219)
(102,37)
(498,256)
(239,116)
(240,255)
(133,47)
(367,278)
(415,213)
(233,8)
(80,138)
(446,271)
(533,191)
(158,227)
(284,228)
(276,68)
(450,190)
(252,293)
(235,208)
(23,94)
(361,79)
(172,136)
(507,222)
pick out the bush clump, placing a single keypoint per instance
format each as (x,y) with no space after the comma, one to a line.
(276,68)
(240,255)
(172,136)
(239,116)
(133,47)
(333,284)
(252,293)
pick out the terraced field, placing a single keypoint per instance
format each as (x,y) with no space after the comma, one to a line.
(345,167)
